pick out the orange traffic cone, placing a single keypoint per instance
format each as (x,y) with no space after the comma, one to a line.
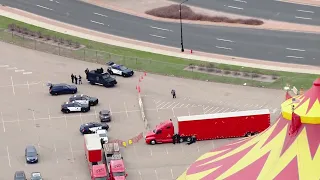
(145,74)
(141,77)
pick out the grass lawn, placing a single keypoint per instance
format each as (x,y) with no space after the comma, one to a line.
(161,64)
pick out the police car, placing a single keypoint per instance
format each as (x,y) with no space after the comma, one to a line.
(84,99)
(73,106)
(92,127)
(117,69)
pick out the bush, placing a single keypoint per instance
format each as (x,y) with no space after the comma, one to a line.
(245,74)
(201,68)
(173,12)
(48,37)
(211,65)
(11,27)
(274,77)
(226,72)
(236,73)
(25,31)
(55,39)
(254,75)
(218,71)
(18,29)
(32,34)
(210,69)
(69,42)
(39,33)
(61,41)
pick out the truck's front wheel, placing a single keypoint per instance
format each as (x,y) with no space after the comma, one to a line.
(153,142)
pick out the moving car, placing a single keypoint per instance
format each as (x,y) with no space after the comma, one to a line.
(20,175)
(84,99)
(103,134)
(105,116)
(92,127)
(36,176)
(62,88)
(31,154)
(100,78)
(73,106)
(120,70)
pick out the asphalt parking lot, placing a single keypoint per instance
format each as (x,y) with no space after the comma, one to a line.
(29,115)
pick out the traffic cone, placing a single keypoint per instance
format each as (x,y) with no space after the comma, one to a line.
(141,77)
(191,51)
(145,74)
(139,89)
(139,80)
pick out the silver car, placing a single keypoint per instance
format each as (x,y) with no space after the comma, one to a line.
(36,176)
(105,116)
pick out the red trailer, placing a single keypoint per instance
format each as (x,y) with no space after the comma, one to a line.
(212,126)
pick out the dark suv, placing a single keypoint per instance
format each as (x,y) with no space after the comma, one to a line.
(31,154)
(100,78)
(57,89)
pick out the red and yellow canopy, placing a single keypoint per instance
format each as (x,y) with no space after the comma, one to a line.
(273,154)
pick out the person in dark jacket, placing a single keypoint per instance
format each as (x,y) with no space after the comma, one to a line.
(80,79)
(75,79)
(173,93)
(72,78)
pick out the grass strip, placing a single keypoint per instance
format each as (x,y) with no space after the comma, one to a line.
(150,62)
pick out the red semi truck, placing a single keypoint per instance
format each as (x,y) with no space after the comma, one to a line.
(211,126)
(101,166)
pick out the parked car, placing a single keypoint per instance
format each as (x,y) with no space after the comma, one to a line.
(92,127)
(36,176)
(100,78)
(73,106)
(84,99)
(62,88)
(105,116)
(20,175)
(118,69)
(31,154)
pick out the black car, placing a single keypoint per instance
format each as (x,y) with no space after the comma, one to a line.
(31,154)
(20,175)
(100,78)
(57,89)
(91,127)
(120,70)
(73,106)
(84,99)
(105,116)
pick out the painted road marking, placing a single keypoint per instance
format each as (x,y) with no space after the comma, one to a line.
(234,7)
(298,17)
(240,1)
(98,14)
(157,36)
(44,7)
(154,27)
(225,40)
(12,68)
(220,47)
(4,65)
(96,22)
(19,70)
(292,49)
(296,57)
(305,11)
(27,72)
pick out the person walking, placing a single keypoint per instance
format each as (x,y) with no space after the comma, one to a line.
(75,79)
(72,78)
(173,93)
(80,79)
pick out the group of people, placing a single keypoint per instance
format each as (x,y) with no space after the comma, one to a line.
(76,79)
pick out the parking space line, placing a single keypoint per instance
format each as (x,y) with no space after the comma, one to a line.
(220,110)
(8,155)
(205,112)
(213,111)
(158,105)
(171,104)
(187,105)
(171,173)
(14,93)
(28,87)
(4,128)
(226,110)
(155,171)
(167,151)
(164,105)
(157,101)
(110,109)
(150,151)
(34,118)
(125,107)
(18,120)
(55,150)
(140,174)
(198,148)
(72,155)
(95,112)
(65,119)
(181,106)
(189,111)
(81,118)
(173,112)
(49,116)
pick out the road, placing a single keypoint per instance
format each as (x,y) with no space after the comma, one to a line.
(266,9)
(277,46)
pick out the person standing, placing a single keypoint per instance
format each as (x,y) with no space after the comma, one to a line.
(72,78)
(80,79)
(75,79)
(173,93)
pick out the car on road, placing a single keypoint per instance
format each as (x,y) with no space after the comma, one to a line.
(31,154)
(92,127)
(98,77)
(84,99)
(62,88)
(74,106)
(103,134)
(105,116)
(118,69)
(20,175)
(36,176)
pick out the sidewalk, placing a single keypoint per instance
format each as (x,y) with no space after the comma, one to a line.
(149,47)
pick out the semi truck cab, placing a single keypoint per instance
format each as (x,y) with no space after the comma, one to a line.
(117,170)
(161,134)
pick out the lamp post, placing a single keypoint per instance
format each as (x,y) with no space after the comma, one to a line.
(182,48)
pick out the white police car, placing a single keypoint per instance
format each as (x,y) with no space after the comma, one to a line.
(117,69)
(73,106)
(84,99)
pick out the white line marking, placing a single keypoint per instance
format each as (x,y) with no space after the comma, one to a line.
(225,40)
(164,105)
(177,105)
(44,7)
(65,119)
(95,112)
(12,68)
(213,111)
(181,106)
(296,57)
(157,36)
(157,101)
(72,155)
(54,147)
(110,109)
(49,116)
(305,11)
(220,47)
(171,174)
(8,154)
(150,151)
(4,128)
(100,14)
(18,120)
(171,105)
(240,1)
(298,17)
(97,22)
(27,72)
(208,110)
(125,107)
(173,112)
(158,105)
(140,175)
(233,7)
(167,151)
(81,118)
(28,87)
(226,110)
(198,148)
(19,70)
(187,105)
(4,66)
(189,112)
(153,27)
(155,171)
(220,110)
(34,118)
(57,2)
(291,49)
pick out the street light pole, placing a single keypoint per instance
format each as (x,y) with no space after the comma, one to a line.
(182,48)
